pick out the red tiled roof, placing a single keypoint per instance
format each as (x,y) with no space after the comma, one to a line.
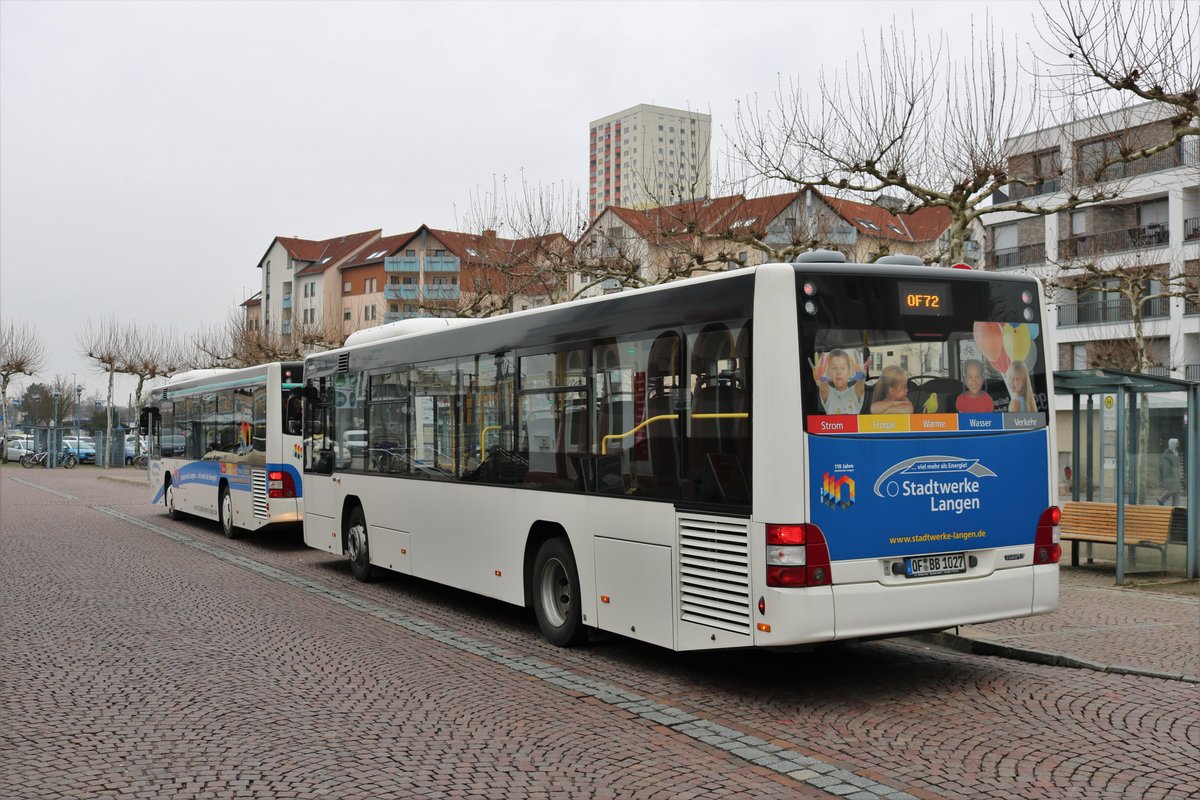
(380,249)
(754,214)
(323,254)
(926,225)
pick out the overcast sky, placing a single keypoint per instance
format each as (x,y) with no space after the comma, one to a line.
(150,152)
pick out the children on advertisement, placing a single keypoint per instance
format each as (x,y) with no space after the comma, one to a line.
(891,392)
(833,373)
(974,400)
(1020,388)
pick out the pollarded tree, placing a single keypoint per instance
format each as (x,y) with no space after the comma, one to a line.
(105,344)
(152,354)
(910,119)
(1106,51)
(21,353)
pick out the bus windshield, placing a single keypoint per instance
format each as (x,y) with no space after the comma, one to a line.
(898,355)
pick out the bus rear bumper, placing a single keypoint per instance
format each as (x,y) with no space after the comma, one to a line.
(864,610)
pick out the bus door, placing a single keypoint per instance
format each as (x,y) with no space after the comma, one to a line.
(323,456)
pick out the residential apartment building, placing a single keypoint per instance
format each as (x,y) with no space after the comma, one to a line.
(322,290)
(1152,229)
(300,280)
(648,156)
(735,231)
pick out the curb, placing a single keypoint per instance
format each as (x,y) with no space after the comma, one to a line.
(965,644)
(122,479)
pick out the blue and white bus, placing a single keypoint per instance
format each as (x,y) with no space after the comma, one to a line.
(772,456)
(225,445)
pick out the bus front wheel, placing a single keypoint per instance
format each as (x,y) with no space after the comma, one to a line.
(225,503)
(172,510)
(357,547)
(556,594)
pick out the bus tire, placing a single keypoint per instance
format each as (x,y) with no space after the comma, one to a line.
(555,594)
(173,511)
(225,513)
(358,548)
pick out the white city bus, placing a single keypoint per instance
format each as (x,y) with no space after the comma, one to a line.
(726,461)
(225,445)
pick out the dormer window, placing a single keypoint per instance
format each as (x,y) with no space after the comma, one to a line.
(866,224)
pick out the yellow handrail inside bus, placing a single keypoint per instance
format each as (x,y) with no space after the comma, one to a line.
(483,440)
(659,418)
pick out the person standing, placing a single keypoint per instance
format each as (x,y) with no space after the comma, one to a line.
(1168,473)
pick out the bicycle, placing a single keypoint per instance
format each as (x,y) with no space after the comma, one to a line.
(140,461)
(66,459)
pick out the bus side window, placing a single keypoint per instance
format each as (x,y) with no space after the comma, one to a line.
(719,432)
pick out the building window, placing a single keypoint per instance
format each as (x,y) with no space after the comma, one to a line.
(346,314)
(346,287)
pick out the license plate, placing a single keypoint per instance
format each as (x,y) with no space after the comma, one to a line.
(945,564)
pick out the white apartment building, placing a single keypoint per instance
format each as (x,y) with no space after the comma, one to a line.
(648,156)
(1154,222)
(300,280)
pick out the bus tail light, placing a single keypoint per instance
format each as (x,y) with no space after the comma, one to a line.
(1046,549)
(280,484)
(797,556)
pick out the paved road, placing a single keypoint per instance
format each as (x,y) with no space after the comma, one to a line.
(150,658)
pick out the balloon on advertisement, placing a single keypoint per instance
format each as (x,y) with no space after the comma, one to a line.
(989,340)
(1016,341)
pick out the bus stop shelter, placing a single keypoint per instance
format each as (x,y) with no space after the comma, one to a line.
(1125,399)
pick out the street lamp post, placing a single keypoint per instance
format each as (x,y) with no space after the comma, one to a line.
(53,454)
(78,391)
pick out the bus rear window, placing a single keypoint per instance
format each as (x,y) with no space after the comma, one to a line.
(904,355)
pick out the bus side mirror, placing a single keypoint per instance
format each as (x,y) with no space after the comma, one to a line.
(147,416)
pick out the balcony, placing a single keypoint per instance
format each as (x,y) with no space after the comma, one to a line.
(1098,312)
(400,291)
(1022,256)
(441,264)
(287,301)
(402,264)
(1095,244)
(1192,372)
(1191,229)
(1017,191)
(1170,158)
(442,292)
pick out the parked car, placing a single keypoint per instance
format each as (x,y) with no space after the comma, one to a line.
(131,449)
(17,446)
(84,448)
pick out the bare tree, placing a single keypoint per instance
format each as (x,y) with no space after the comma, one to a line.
(21,353)
(908,118)
(152,354)
(233,343)
(105,344)
(1134,50)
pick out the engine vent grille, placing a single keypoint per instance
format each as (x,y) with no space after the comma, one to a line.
(714,572)
(258,483)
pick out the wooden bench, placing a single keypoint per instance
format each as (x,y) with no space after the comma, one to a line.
(1145,526)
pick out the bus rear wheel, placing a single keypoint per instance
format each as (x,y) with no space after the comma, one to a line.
(358,549)
(555,593)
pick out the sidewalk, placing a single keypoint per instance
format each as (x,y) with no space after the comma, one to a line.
(1149,627)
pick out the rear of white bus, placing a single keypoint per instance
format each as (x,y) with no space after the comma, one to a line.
(926,454)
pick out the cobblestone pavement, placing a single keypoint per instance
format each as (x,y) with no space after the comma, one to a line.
(154,658)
